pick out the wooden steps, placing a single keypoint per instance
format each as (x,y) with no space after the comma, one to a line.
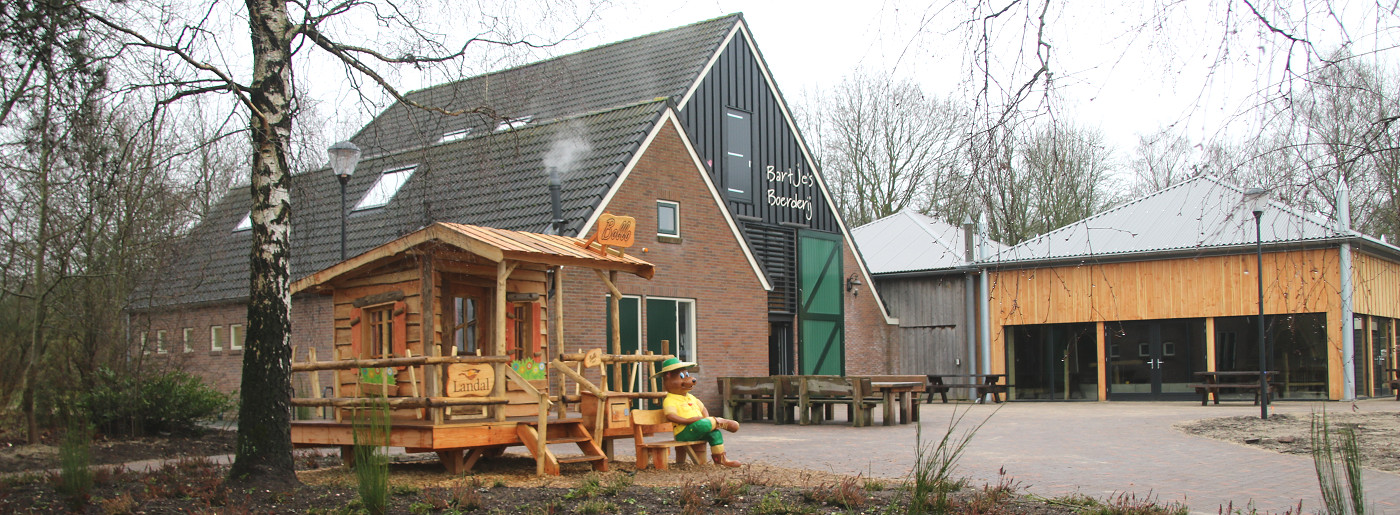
(561,432)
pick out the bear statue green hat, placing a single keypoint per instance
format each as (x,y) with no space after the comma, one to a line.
(672,364)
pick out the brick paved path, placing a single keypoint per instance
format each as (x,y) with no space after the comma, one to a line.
(1095,448)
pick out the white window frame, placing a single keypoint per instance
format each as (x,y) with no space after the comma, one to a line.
(675,219)
(689,343)
(160,341)
(144,350)
(385,188)
(187,334)
(216,338)
(235,337)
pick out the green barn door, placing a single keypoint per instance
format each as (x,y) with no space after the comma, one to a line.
(820,306)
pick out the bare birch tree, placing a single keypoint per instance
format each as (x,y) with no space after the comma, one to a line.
(195,56)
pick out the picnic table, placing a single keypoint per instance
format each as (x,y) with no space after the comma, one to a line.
(901,390)
(980,384)
(1214,382)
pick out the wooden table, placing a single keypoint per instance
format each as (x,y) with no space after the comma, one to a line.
(891,390)
(980,384)
(1214,382)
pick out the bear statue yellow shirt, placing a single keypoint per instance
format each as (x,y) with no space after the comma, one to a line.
(683,406)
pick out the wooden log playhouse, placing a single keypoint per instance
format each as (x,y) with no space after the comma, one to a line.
(485,377)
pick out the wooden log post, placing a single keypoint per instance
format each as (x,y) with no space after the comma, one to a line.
(498,338)
(315,377)
(556,315)
(428,325)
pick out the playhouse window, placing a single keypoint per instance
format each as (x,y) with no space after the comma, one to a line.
(465,325)
(381,331)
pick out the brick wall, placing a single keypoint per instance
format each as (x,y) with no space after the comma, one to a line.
(869,339)
(708,265)
(223,369)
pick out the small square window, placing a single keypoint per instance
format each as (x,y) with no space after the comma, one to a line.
(668,218)
(216,338)
(160,342)
(385,188)
(235,337)
(188,335)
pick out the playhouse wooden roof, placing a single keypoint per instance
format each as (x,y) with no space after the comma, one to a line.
(488,243)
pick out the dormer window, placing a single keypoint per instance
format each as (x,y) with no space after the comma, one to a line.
(511,124)
(385,188)
(245,224)
(455,135)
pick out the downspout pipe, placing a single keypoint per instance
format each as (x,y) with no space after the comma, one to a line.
(986,303)
(969,298)
(1348,309)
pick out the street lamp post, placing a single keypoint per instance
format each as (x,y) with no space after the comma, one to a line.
(1258,198)
(344,156)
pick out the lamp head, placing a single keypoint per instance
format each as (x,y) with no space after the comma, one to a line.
(1257,199)
(344,156)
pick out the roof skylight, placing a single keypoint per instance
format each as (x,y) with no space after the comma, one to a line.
(385,188)
(245,224)
(511,124)
(455,135)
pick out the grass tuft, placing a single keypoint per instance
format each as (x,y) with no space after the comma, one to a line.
(371,433)
(1326,455)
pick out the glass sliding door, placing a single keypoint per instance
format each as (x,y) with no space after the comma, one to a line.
(1052,361)
(1297,350)
(1154,359)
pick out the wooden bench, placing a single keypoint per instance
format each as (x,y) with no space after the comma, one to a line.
(1212,390)
(818,394)
(644,421)
(981,384)
(751,394)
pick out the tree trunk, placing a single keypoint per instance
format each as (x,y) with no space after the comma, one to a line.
(37,344)
(264,453)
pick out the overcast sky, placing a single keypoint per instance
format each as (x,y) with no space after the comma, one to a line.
(1126,67)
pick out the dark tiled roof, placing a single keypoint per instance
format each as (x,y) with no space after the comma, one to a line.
(660,65)
(607,97)
(495,180)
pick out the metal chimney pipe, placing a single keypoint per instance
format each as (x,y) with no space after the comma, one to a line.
(555,204)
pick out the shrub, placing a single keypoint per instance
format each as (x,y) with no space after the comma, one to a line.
(1326,455)
(371,433)
(164,402)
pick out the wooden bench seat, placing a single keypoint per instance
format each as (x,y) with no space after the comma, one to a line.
(816,395)
(655,452)
(1212,390)
(748,394)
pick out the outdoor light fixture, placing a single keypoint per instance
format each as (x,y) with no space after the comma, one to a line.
(344,156)
(851,283)
(1257,199)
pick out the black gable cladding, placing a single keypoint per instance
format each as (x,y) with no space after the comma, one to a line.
(784,188)
(660,65)
(496,180)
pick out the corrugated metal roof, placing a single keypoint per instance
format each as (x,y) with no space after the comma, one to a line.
(1204,213)
(908,241)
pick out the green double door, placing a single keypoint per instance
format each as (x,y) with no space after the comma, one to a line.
(821,312)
